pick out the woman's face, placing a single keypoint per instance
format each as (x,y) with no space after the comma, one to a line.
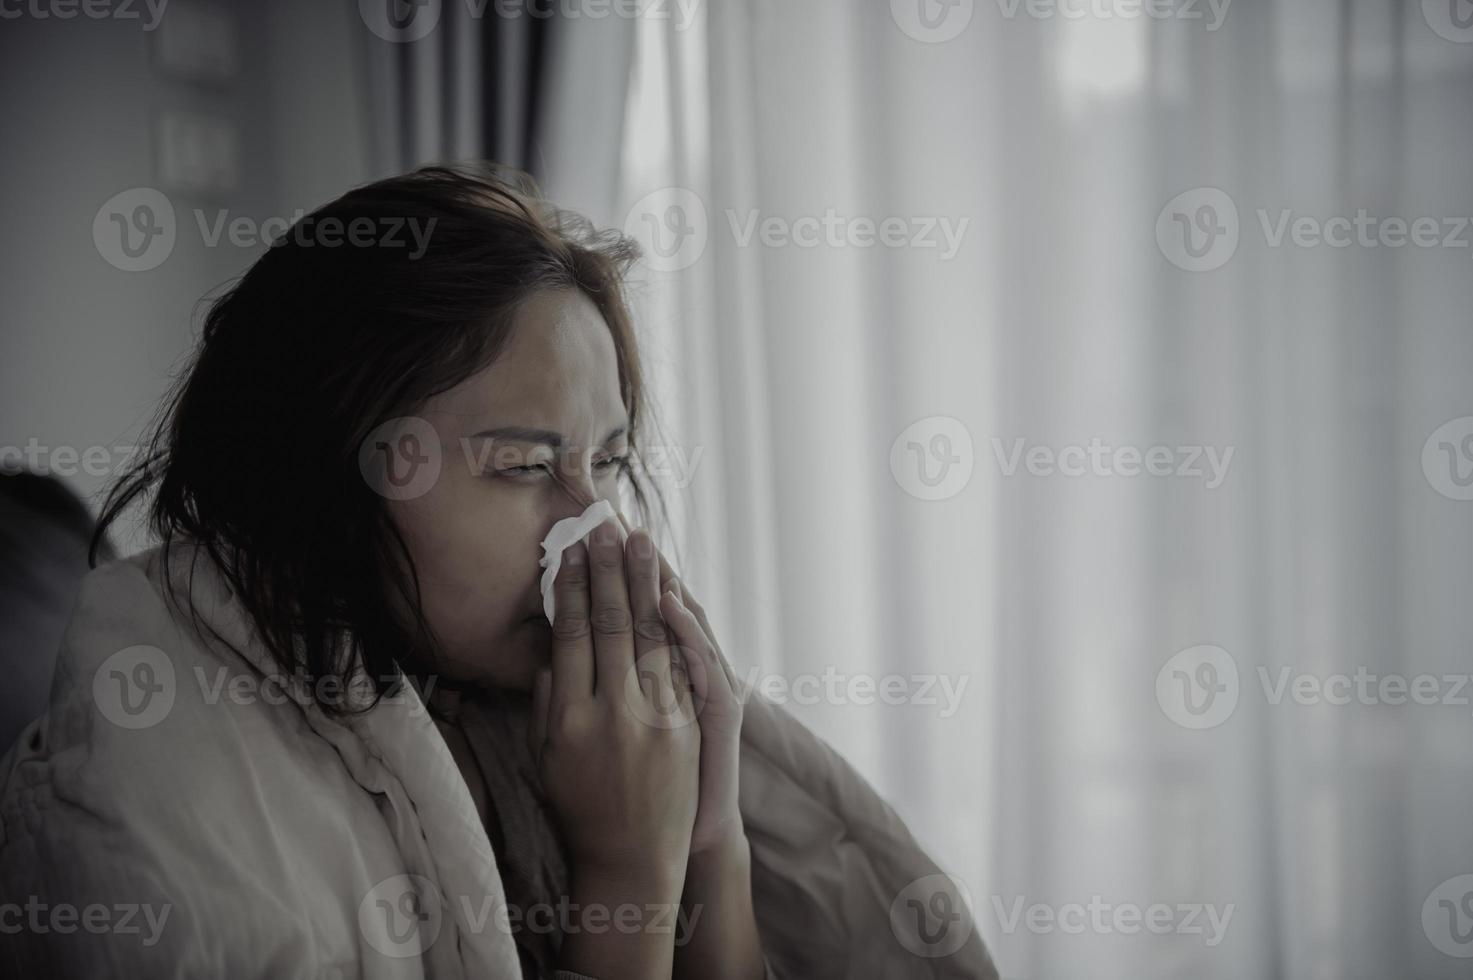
(531,439)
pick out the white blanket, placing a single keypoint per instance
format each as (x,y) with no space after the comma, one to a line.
(177,814)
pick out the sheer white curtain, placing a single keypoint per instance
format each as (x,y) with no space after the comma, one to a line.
(1247,423)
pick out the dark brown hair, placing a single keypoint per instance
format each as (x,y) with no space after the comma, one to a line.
(255,454)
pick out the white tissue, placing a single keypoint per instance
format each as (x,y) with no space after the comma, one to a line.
(564,533)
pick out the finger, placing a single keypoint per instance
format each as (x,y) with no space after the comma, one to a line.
(537,730)
(669,581)
(663,677)
(657,701)
(572,641)
(693,649)
(643,572)
(723,678)
(668,578)
(609,615)
(716,652)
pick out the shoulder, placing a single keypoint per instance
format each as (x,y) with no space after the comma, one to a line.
(152,702)
(134,643)
(166,775)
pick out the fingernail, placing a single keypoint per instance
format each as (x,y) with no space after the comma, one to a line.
(604,534)
(575,554)
(643,546)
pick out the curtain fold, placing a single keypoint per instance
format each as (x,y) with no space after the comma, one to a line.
(453,81)
(1301,533)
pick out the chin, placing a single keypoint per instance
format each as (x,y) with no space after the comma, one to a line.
(509,662)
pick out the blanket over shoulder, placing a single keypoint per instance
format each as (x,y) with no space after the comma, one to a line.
(184,810)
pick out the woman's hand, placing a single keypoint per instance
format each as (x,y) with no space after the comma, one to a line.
(718,885)
(624,790)
(718,710)
(716,893)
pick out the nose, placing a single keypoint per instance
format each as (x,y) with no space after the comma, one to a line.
(577,493)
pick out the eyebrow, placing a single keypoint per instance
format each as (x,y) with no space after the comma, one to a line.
(546,437)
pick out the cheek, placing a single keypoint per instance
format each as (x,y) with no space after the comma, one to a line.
(475,546)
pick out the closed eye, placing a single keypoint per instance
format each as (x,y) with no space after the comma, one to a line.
(603,465)
(523,470)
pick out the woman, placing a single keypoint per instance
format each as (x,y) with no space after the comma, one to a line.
(326,729)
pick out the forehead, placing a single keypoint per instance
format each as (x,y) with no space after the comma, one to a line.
(559,370)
